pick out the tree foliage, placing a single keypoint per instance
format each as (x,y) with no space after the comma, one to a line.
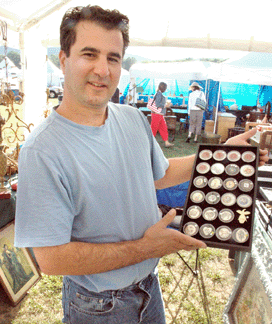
(128,62)
(55,59)
(15,58)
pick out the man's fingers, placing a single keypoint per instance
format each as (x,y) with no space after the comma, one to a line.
(241,139)
(251,132)
(192,243)
(245,136)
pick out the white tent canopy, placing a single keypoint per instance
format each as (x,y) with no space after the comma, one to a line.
(124,80)
(7,66)
(229,73)
(253,68)
(239,25)
(192,70)
(10,73)
(177,75)
(253,61)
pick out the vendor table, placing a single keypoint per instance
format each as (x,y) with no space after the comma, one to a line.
(180,113)
(141,104)
(255,115)
(7,206)
(240,116)
(7,209)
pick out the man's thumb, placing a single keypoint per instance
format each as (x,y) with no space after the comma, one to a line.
(169,217)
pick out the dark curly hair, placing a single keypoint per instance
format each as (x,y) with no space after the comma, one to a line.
(109,19)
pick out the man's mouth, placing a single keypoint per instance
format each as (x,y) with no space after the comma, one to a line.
(98,85)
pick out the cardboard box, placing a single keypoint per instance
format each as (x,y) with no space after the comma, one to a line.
(209,126)
(225,121)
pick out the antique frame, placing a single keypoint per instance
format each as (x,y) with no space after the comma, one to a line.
(251,297)
(18,270)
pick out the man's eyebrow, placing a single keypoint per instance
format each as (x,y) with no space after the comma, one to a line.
(90,49)
(95,50)
(117,55)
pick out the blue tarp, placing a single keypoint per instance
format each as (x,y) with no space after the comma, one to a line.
(230,93)
(265,94)
(243,94)
(173,196)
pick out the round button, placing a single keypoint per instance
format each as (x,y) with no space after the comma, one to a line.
(228,199)
(230,184)
(191,228)
(240,235)
(247,170)
(248,156)
(207,231)
(244,201)
(246,185)
(226,215)
(223,233)
(210,213)
(200,181)
(232,169)
(219,155)
(197,196)
(212,197)
(215,183)
(203,168)
(217,168)
(234,156)
(194,212)
(205,155)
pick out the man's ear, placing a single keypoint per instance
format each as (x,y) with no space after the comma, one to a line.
(62,59)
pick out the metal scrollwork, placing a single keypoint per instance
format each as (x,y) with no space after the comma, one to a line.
(13,132)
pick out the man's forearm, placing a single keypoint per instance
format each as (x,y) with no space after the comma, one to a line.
(179,171)
(80,258)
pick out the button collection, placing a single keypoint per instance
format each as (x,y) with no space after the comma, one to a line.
(220,203)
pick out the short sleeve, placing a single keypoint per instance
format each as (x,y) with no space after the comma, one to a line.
(44,209)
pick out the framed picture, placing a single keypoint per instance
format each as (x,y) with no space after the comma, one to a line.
(251,299)
(18,270)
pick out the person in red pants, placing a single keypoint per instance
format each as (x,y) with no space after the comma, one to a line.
(158,122)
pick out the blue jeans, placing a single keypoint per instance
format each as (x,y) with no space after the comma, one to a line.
(138,303)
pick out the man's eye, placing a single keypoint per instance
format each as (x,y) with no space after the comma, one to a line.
(113,59)
(89,54)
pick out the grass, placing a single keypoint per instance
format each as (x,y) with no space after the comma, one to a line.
(189,299)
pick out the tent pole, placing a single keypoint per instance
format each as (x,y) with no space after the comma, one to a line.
(216,111)
(217,104)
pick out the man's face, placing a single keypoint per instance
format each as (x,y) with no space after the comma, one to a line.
(93,69)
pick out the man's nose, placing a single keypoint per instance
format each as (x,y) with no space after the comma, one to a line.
(102,67)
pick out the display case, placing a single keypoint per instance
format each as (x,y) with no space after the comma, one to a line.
(220,203)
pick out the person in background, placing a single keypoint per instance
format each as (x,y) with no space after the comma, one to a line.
(115,97)
(92,215)
(267,117)
(194,112)
(158,122)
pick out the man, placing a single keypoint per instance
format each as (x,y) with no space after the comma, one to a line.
(86,198)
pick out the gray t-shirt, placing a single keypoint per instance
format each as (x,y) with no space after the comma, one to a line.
(90,184)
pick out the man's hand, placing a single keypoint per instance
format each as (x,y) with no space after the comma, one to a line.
(162,240)
(241,139)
